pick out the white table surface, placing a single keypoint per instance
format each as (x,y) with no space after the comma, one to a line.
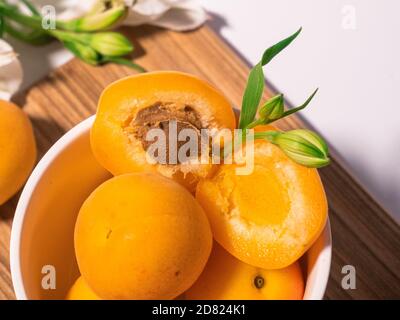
(354,62)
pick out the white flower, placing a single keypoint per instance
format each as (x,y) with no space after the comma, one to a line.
(178,15)
(10,71)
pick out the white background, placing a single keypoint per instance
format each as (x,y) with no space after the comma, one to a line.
(357,70)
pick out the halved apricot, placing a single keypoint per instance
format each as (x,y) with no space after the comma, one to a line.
(129,108)
(269,217)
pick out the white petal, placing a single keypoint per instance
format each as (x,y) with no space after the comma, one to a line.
(10,71)
(150,8)
(178,15)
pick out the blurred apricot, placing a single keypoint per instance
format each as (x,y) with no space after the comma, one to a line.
(81,291)
(17,149)
(227,278)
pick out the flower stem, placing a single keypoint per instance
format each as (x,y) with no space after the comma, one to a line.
(31,7)
(34,22)
(124,62)
(267,135)
(255,123)
(83,38)
(35,37)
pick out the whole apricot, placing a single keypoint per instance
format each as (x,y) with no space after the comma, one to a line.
(141,236)
(173,103)
(269,217)
(17,149)
(227,278)
(81,291)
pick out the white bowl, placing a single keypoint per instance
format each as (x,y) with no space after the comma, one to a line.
(42,231)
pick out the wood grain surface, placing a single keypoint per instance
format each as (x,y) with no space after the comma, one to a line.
(364,235)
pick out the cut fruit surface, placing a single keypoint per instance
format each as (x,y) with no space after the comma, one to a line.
(130,108)
(270,217)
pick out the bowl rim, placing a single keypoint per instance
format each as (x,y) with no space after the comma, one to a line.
(324,257)
(25,198)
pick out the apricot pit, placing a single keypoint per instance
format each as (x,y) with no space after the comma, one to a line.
(129,108)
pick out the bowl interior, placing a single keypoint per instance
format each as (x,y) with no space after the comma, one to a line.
(43,227)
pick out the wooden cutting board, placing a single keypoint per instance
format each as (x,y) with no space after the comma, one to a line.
(364,235)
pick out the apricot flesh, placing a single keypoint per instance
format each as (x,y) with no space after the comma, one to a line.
(81,291)
(17,149)
(132,106)
(141,236)
(227,278)
(270,217)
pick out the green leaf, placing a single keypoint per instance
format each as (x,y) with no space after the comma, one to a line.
(252,96)
(255,83)
(271,52)
(31,8)
(293,110)
(1,26)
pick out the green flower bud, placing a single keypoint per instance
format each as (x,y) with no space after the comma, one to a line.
(304,147)
(97,21)
(103,15)
(273,109)
(111,44)
(85,53)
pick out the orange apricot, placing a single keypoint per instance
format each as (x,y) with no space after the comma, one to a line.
(270,217)
(81,291)
(227,278)
(129,108)
(141,236)
(17,149)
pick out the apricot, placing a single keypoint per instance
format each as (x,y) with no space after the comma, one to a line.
(81,291)
(129,108)
(141,236)
(17,149)
(227,278)
(270,217)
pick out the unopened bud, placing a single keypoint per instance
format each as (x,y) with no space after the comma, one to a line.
(85,53)
(304,147)
(111,44)
(273,109)
(100,18)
